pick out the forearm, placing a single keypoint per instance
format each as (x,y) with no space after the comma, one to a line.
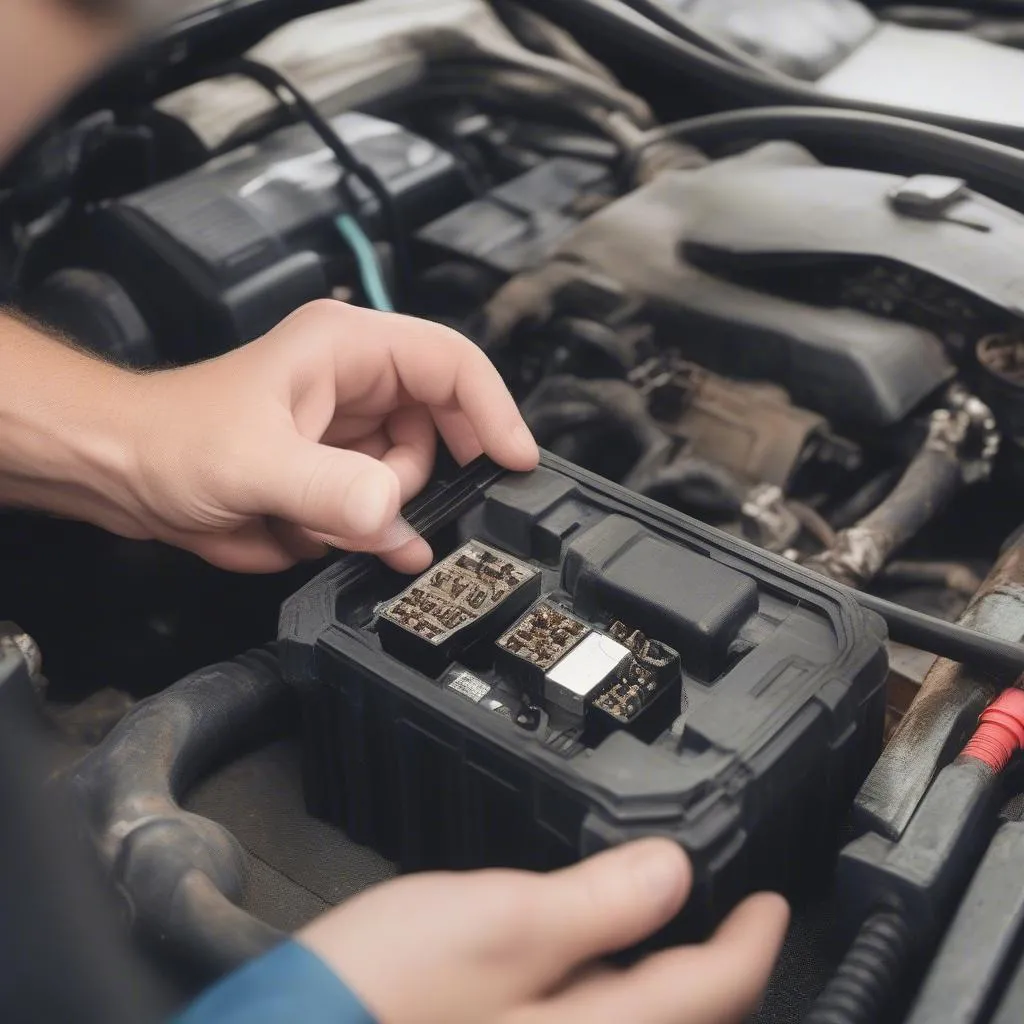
(66,424)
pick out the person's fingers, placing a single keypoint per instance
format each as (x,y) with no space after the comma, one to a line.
(298,542)
(376,445)
(250,549)
(720,982)
(382,356)
(327,490)
(399,546)
(454,374)
(608,903)
(413,448)
(410,559)
(459,435)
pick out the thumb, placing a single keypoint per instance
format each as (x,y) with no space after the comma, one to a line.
(331,491)
(613,901)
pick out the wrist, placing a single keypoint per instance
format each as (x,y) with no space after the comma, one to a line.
(68,423)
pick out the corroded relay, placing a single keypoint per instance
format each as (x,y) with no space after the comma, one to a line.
(476,587)
(539,640)
(609,677)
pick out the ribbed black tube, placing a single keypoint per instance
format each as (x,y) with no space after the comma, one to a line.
(869,976)
(182,874)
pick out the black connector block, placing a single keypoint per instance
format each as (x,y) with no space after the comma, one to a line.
(968,971)
(925,871)
(899,896)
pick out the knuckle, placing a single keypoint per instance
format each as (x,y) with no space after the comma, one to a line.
(316,488)
(321,318)
(322,311)
(443,336)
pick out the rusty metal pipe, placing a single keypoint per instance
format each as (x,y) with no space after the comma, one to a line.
(945,710)
(962,442)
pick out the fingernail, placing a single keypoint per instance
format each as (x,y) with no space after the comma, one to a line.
(396,536)
(660,869)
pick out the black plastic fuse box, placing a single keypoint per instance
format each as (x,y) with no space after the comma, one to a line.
(582,667)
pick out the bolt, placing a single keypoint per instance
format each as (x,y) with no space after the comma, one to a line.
(27,648)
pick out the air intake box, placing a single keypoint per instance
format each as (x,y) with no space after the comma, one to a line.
(579,668)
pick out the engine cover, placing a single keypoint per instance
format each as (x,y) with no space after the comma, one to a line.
(241,242)
(859,370)
(802,38)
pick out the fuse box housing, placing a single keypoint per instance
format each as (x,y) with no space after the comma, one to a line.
(631,672)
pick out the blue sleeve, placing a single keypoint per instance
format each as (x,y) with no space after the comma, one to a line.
(288,984)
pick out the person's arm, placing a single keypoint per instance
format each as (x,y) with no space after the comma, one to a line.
(66,428)
(315,434)
(288,984)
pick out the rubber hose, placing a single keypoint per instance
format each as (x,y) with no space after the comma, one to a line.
(1003,658)
(179,873)
(682,26)
(862,551)
(868,497)
(930,480)
(627,30)
(869,976)
(992,169)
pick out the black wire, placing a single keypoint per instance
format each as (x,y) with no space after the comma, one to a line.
(990,168)
(627,30)
(286,93)
(1002,658)
(679,24)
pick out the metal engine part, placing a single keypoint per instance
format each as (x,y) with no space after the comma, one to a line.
(15,640)
(752,429)
(959,451)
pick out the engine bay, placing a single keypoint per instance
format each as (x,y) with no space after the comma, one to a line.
(777,368)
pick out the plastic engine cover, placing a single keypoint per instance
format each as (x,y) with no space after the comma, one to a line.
(582,667)
(860,370)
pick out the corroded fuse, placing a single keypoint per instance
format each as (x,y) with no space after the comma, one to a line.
(475,585)
(652,666)
(544,635)
(558,657)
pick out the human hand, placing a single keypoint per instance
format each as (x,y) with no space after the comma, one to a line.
(505,947)
(315,434)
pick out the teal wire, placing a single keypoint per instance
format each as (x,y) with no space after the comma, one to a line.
(369,266)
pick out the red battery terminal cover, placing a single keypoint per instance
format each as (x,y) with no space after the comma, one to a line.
(1000,732)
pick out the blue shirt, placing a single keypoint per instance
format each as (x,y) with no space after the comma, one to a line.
(289,984)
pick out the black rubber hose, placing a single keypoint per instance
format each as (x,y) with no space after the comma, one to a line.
(682,26)
(630,32)
(869,975)
(1002,658)
(179,873)
(995,170)
(859,504)
(862,551)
